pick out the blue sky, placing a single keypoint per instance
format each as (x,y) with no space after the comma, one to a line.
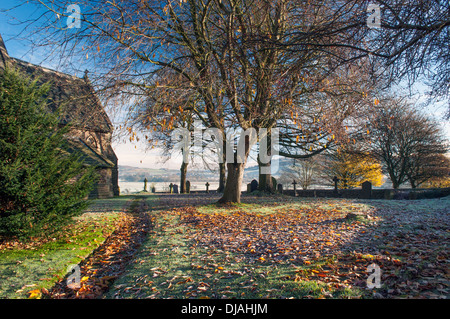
(19,46)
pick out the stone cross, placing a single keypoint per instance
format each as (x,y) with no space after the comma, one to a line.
(336,180)
(171,187)
(145,184)
(207,187)
(295,187)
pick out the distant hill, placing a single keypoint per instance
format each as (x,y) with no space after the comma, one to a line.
(138,174)
(156,175)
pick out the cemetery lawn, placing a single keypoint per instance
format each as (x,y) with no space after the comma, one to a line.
(285,247)
(27,269)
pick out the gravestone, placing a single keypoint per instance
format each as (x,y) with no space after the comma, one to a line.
(389,194)
(171,188)
(249,188)
(274,183)
(207,187)
(145,184)
(295,188)
(175,188)
(253,185)
(188,187)
(280,188)
(335,180)
(366,191)
(153,189)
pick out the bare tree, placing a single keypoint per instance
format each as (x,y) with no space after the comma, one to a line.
(404,140)
(242,62)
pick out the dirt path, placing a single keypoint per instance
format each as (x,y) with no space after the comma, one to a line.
(110,259)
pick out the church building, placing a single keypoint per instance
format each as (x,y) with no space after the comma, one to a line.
(91,128)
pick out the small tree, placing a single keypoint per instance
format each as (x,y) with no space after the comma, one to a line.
(305,171)
(352,168)
(42,183)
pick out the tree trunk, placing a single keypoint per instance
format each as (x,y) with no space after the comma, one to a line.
(235,172)
(183,174)
(232,190)
(265,180)
(222,177)
(265,175)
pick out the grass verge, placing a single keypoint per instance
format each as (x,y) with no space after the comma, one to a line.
(27,268)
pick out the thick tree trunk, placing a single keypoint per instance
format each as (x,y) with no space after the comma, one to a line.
(232,190)
(265,175)
(265,180)
(183,174)
(222,177)
(235,171)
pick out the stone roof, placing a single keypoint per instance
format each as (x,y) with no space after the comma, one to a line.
(81,106)
(4,57)
(88,155)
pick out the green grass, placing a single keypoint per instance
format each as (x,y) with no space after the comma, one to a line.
(169,266)
(271,204)
(33,266)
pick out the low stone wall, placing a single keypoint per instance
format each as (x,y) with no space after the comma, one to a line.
(376,193)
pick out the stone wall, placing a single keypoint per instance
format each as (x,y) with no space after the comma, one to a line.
(376,193)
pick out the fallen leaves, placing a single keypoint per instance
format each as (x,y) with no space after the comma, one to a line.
(109,260)
(303,237)
(282,235)
(323,246)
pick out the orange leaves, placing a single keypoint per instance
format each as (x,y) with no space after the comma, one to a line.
(270,238)
(104,265)
(34,294)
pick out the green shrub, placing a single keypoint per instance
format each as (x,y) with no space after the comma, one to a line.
(42,185)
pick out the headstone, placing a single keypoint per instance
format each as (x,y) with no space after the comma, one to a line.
(175,188)
(366,191)
(249,188)
(207,187)
(171,188)
(389,194)
(145,184)
(253,185)
(336,180)
(188,187)
(274,183)
(295,188)
(153,189)
(280,188)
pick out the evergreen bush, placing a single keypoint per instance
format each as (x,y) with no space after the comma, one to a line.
(42,184)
